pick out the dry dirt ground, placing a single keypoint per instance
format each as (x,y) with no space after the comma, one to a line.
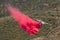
(54,34)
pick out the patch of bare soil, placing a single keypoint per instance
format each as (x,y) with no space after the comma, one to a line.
(54,34)
(39,38)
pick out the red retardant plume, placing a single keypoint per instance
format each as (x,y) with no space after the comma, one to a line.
(26,23)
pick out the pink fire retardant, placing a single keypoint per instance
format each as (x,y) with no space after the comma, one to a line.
(26,23)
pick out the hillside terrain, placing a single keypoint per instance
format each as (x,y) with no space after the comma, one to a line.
(46,10)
